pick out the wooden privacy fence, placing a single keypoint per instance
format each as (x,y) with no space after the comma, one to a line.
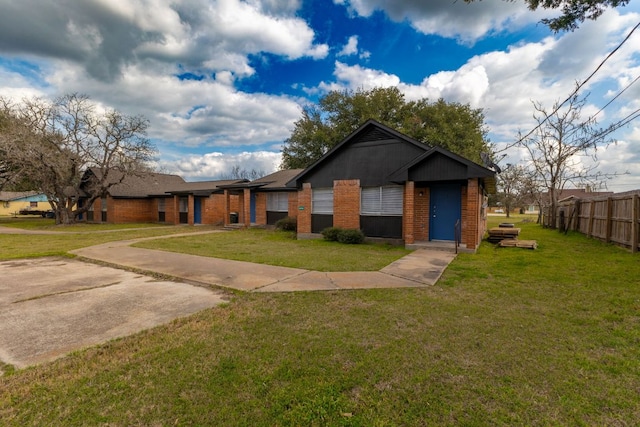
(613,219)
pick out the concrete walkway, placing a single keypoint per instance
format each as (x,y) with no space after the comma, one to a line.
(420,268)
(52,306)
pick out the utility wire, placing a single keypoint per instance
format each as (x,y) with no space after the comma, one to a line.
(616,97)
(578,87)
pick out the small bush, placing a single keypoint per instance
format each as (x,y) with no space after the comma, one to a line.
(287,224)
(331,233)
(351,236)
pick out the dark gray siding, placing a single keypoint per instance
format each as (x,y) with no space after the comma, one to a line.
(438,168)
(273,217)
(389,227)
(319,222)
(371,157)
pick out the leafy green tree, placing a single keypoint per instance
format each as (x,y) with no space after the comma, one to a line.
(574,12)
(456,127)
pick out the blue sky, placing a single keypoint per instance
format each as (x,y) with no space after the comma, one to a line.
(222,82)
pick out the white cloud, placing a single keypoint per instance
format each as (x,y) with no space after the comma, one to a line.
(466,22)
(351,48)
(105,37)
(357,77)
(215,165)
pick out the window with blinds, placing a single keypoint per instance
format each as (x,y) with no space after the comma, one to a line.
(386,201)
(278,202)
(183,204)
(322,201)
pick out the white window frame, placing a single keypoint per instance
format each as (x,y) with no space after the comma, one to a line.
(322,201)
(382,201)
(278,201)
(162,204)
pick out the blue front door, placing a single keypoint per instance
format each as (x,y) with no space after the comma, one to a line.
(252,203)
(197,210)
(445,210)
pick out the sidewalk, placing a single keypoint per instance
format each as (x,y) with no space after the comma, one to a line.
(421,268)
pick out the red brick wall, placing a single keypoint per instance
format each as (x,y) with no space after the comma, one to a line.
(130,210)
(409,214)
(175,210)
(346,203)
(213,209)
(421,205)
(471,214)
(234,203)
(304,216)
(244,208)
(261,208)
(293,204)
(190,208)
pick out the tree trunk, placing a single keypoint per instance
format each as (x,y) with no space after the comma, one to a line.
(65,216)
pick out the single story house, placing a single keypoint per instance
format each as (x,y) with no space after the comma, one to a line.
(157,197)
(378,180)
(12,202)
(396,188)
(266,200)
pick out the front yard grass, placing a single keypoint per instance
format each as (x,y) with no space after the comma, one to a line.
(507,337)
(67,238)
(282,249)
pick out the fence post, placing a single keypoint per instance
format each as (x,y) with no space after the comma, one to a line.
(576,215)
(609,221)
(634,223)
(592,212)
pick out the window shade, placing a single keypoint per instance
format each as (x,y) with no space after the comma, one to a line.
(381,200)
(322,201)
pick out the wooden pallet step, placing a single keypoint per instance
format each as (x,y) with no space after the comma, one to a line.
(514,243)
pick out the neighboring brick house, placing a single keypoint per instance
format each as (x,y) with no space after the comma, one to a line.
(265,200)
(157,197)
(201,202)
(393,187)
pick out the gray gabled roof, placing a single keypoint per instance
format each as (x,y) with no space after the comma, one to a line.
(277,180)
(140,185)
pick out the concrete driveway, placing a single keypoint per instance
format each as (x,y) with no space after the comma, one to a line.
(52,306)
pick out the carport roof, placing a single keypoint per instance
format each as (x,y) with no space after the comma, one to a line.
(276,181)
(203,188)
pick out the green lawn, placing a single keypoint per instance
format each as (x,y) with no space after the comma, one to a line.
(73,237)
(282,249)
(507,337)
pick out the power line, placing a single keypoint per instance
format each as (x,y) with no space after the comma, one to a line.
(578,87)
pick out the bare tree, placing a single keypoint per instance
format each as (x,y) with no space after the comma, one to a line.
(238,172)
(55,143)
(511,185)
(555,147)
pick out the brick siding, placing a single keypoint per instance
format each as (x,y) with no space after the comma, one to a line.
(422,210)
(261,208)
(129,210)
(293,204)
(409,213)
(304,215)
(346,203)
